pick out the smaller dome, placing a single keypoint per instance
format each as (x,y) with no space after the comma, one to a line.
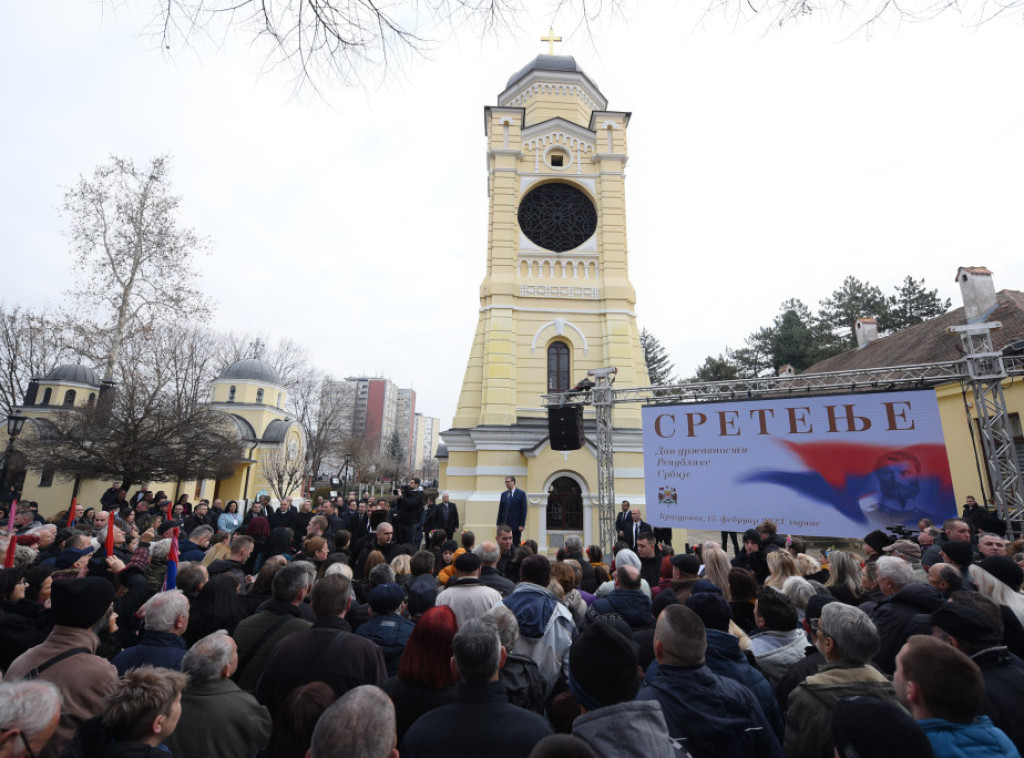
(275,431)
(252,370)
(546,63)
(73,372)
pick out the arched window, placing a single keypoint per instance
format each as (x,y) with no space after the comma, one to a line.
(92,399)
(280,399)
(47,394)
(231,394)
(259,395)
(69,398)
(558,367)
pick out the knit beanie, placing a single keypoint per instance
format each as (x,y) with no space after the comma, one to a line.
(864,727)
(603,667)
(752,535)
(80,603)
(878,540)
(966,624)
(712,608)
(960,553)
(1005,570)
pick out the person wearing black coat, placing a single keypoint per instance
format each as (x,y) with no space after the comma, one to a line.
(284,515)
(444,515)
(410,508)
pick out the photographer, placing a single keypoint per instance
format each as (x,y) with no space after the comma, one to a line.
(410,511)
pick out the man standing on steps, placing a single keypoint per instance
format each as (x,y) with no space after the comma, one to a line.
(512,509)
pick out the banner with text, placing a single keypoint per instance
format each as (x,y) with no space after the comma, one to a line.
(829,465)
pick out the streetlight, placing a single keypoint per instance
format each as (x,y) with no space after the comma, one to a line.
(15,423)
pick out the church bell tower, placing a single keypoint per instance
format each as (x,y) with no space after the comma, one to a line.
(555,302)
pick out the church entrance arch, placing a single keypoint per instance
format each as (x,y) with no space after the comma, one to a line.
(565,505)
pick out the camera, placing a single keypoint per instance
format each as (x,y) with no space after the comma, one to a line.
(901,531)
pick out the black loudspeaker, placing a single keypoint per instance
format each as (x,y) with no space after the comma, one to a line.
(565,427)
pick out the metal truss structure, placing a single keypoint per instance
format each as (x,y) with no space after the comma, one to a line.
(982,368)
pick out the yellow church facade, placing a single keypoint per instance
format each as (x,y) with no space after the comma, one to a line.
(555,302)
(248,393)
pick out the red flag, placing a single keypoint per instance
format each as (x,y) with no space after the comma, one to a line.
(12,545)
(170,578)
(110,535)
(72,512)
(170,510)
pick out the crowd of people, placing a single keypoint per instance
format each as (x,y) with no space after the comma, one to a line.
(367,628)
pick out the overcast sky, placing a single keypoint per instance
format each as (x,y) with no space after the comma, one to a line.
(763,165)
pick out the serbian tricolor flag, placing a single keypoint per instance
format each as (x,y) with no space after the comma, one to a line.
(71,512)
(12,545)
(170,578)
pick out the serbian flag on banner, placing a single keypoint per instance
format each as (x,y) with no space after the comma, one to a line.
(71,512)
(170,578)
(12,545)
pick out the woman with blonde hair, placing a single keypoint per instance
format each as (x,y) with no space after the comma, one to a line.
(717,568)
(844,580)
(400,564)
(999,579)
(781,566)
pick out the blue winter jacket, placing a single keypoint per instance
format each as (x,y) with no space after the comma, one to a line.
(980,739)
(713,717)
(632,605)
(161,649)
(391,633)
(725,658)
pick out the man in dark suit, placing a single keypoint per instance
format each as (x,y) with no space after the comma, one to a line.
(622,521)
(444,515)
(512,509)
(635,528)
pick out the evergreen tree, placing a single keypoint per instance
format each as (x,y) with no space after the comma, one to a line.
(659,368)
(911,305)
(718,369)
(794,340)
(838,312)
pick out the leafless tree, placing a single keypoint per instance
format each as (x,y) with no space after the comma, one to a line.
(31,345)
(347,41)
(324,409)
(282,470)
(133,261)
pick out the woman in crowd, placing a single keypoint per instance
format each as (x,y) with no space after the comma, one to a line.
(403,572)
(870,595)
(259,530)
(565,577)
(844,577)
(219,606)
(781,566)
(259,591)
(999,578)
(229,520)
(295,720)
(315,550)
(279,543)
(85,523)
(425,679)
(717,568)
(743,591)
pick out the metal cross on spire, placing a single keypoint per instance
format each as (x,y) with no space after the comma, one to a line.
(551,39)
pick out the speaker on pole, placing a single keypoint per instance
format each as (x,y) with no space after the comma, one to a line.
(565,427)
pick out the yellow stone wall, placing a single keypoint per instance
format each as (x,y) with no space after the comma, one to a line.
(963,461)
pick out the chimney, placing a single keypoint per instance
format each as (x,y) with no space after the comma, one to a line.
(866,330)
(978,292)
(786,370)
(32,392)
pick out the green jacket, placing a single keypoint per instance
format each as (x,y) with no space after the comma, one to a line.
(249,632)
(809,721)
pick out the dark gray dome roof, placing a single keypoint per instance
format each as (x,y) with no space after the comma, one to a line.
(546,63)
(252,370)
(73,372)
(275,431)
